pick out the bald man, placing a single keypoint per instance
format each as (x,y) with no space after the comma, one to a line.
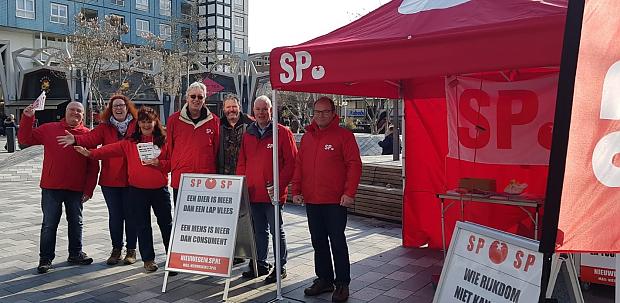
(67,178)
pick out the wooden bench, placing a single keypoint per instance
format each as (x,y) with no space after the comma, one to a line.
(380,193)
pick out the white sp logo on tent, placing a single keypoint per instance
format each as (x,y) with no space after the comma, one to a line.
(302,61)
(416,6)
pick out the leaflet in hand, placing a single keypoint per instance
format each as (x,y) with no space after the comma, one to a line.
(39,104)
(146,151)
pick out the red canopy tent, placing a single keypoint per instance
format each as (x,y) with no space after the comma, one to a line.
(404,49)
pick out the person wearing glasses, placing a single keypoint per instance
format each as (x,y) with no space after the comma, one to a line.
(193,137)
(327,172)
(147,178)
(256,163)
(118,123)
(67,178)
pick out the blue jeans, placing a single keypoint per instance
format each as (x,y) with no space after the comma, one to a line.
(51,205)
(327,223)
(143,200)
(119,216)
(264,223)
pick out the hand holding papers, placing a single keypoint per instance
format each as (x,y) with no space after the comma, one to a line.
(39,104)
(146,151)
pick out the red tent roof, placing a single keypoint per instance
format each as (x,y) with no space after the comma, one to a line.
(409,39)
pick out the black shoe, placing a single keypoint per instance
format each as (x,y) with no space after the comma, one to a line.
(238,261)
(262,271)
(44,266)
(81,259)
(273,277)
(172,273)
(341,293)
(318,287)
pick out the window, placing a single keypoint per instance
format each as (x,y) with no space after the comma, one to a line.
(211,9)
(118,2)
(239,3)
(186,9)
(165,7)
(227,34)
(220,9)
(24,9)
(227,10)
(185,33)
(227,22)
(58,13)
(119,18)
(165,32)
(89,14)
(238,22)
(238,45)
(142,5)
(142,28)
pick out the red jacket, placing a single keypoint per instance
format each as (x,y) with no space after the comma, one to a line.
(113,170)
(256,161)
(328,164)
(140,176)
(63,167)
(192,147)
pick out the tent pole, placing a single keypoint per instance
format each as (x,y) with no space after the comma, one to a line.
(276,194)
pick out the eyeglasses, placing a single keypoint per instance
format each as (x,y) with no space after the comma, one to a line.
(322,112)
(118,105)
(199,97)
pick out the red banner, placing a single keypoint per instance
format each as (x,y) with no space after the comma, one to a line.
(207,264)
(501,122)
(590,205)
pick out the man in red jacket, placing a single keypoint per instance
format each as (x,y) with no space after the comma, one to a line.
(327,173)
(57,186)
(256,163)
(193,137)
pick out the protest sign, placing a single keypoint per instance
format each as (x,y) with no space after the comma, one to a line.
(205,223)
(598,268)
(488,265)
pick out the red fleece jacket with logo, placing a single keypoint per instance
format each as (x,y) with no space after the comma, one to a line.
(328,164)
(256,161)
(192,147)
(140,176)
(63,167)
(113,170)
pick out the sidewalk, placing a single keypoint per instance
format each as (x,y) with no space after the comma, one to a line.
(382,270)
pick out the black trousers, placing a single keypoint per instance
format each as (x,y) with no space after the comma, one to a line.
(143,200)
(327,223)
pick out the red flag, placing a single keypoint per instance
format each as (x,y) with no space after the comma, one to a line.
(212,86)
(591,193)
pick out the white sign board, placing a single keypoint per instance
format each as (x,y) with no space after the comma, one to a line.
(598,268)
(488,265)
(204,226)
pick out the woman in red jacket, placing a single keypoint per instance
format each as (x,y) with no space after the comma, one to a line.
(118,123)
(147,170)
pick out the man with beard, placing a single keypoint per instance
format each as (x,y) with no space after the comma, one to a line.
(233,124)
(59,187)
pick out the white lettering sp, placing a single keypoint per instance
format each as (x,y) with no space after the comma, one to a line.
(209,131)
(302,60)
(416,6)
(270,146)
(329,147)
(609,145)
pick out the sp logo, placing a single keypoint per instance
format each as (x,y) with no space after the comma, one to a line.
(209,131)
(270,146)
(329,147)
(302,61)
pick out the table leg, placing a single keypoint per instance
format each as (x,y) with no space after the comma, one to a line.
(443,229)
(536,225)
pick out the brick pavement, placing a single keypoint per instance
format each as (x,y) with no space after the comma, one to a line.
(382,270)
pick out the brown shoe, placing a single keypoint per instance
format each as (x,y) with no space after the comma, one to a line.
(115,256)
(341,293)
(318,287)
(130,257)
(150,266)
